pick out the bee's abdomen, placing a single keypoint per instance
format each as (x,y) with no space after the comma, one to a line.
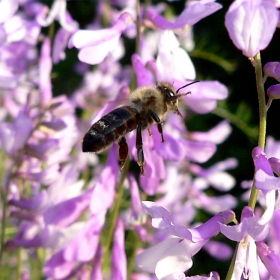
(110,128)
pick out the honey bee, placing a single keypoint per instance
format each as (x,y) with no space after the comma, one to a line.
(148,105)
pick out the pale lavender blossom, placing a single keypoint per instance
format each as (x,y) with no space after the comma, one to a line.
(173,63)
(137,211)
(15,136)
(58,11)
(176,147)
(170,258)
(273,241)
(246,233)
(273,92)
(162,220)
(144,77)
(119,262)
(52,220)
(7,9)
(50,211)
(251,24)
(216,135)
(95,45)
(60,43)
(194,12)
(215,175)
(104,184)
(45,68)
(96,272)
(266,182)
(80,248)
(101,199)
(272,69)
(173,256)
(212,276)
(272,148)
(204,95)
(269,259)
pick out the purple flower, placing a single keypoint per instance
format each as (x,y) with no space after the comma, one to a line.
(173,63)
(15,136)
(81,248)
(194,12)
(170,258)
(104,188)
(7,9)
(143,76)
(173,256)
(272,69)
(273,92)
(272,148)
(269,259)
(58,11)
(60,43)
(204,95)
(119,263)
(246,233)
(96,272)
(137,211)
(251,24)
(248,226)
(216,135)
(176,148)
(266,182)
(162,220)
(45,68)
(216,176)
(95,45)
(218,250)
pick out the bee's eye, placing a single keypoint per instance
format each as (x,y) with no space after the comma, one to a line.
(169,92)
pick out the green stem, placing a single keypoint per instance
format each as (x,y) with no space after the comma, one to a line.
(5,193)
(115,213)
(262,121)
(138,27)
(249,131)
(261,141)
(231,267)
(19,264)
(6,188)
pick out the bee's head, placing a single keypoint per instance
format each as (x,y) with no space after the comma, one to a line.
(171,96)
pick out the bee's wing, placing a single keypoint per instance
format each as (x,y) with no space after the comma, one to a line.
(121,99)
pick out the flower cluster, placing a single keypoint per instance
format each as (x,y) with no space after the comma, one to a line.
(86,216)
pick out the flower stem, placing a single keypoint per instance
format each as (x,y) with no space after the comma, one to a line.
(261,141)
(138,27)
(115,214)
(262,121)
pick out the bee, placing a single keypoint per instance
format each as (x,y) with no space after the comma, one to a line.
(147,106)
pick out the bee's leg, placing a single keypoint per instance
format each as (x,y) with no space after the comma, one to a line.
(123,152)
(139,147)
(157,120)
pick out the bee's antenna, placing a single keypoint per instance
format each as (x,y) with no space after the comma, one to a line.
(186,86)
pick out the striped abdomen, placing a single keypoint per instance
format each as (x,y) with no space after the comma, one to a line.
(110,128)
